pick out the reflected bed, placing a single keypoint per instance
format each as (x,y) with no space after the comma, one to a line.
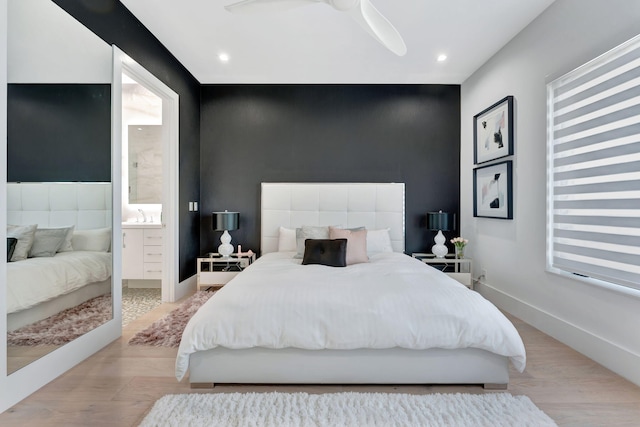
(38,287)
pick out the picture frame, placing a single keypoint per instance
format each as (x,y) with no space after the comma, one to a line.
(493,132)
(493,190)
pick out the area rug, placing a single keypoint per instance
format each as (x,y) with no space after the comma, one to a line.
(65,326)
(345,409)
(167,331)
(137,302)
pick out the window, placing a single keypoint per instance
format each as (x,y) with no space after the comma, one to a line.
(593,172)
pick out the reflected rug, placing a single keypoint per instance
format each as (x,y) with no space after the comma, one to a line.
(65,326)
(345,409)
(167,331)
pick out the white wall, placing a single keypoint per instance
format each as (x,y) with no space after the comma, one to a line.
(599,322)
(60,51)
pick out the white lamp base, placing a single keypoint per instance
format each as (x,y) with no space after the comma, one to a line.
(439,249)
(226,248)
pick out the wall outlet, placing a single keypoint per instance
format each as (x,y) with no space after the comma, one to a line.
(483,275)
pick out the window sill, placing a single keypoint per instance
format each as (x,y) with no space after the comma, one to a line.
(620,289)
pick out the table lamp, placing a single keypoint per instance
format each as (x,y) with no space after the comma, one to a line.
(440,221)
(225,221)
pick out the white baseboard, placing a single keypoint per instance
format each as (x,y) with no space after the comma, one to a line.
(139,284)
(619,360)
(186,287)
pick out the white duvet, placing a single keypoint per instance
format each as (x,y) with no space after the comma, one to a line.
(392,301)
(35,280)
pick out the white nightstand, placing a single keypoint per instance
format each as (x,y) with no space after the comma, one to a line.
(459,269)
(213,270)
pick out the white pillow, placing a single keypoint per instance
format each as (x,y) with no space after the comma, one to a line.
(287,240)
(95,240)
(378,241)
(309,232)
(25,235)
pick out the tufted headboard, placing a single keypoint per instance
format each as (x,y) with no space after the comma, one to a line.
(290,205)
(52,204)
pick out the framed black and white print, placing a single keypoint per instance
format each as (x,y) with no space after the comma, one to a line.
(493,132)
(493,190)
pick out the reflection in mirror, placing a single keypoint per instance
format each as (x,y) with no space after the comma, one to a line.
(59,192)
(142,133)
(145,164)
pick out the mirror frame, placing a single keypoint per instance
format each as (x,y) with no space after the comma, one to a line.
(20,384)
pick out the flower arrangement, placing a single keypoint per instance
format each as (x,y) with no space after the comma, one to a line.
(459,243)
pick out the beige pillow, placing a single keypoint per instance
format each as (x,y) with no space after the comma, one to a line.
(356,243)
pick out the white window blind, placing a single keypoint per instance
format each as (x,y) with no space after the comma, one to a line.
(594,168)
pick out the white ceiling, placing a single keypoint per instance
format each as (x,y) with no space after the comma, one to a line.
(318,44)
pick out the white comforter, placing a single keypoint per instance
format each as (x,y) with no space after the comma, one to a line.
(35,280)
(392,301)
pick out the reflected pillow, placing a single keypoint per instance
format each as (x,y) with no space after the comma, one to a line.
(309,232)
(25,235)
(47,241)
(356,243)
(66,245)
(329,252)
(96,240)
(11,246)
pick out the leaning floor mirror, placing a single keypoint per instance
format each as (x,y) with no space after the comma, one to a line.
(59,193)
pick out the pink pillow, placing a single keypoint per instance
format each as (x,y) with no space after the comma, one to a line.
(356,243)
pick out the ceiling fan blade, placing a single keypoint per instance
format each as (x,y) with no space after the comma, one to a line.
(379,27)
(266,6)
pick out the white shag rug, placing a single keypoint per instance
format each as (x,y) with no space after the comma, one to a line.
(345,409)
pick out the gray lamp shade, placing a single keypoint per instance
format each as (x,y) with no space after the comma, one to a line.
(441,221)
(222,221)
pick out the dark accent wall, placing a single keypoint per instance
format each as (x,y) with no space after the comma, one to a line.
(113,22)
(72,138)
(328,133)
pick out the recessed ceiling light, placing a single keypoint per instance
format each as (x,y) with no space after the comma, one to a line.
(442,57)
(223,57)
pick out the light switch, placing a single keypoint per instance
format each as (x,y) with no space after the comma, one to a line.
(195,206)
(190,206)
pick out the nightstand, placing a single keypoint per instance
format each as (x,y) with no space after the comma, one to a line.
(213,270)
(459,269)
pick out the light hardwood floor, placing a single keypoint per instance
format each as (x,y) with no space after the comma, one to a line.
(118,385)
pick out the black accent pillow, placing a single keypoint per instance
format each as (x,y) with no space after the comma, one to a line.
(11,246)
(329,252)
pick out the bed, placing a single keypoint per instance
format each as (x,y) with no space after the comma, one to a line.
(38,287)
(392,320)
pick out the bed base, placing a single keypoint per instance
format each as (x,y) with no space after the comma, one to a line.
(363,366)
(49,308)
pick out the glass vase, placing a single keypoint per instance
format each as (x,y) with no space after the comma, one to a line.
(459,252)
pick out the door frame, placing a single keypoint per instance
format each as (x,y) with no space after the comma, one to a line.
(170,159)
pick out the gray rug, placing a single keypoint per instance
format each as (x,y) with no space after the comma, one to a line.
(346,409)
(167,331)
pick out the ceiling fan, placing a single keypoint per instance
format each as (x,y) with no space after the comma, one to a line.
(362,11)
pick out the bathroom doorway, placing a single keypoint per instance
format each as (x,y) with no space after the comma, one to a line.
(149,140)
